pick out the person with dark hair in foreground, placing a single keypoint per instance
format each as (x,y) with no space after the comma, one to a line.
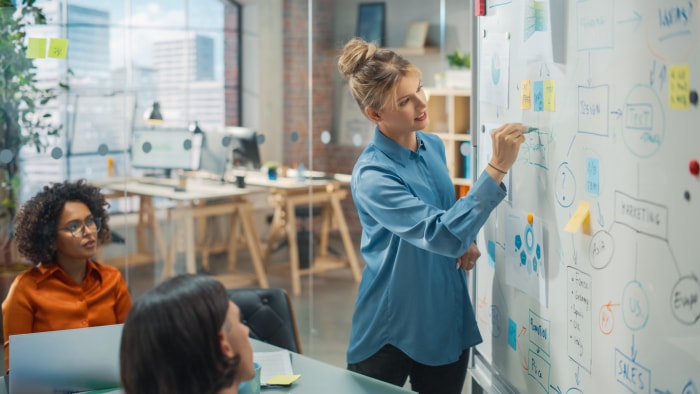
(58,230)
(185,336)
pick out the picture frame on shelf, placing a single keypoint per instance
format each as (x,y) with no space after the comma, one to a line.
(371,19)
(416,35)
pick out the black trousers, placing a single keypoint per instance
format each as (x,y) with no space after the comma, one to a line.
(393,366)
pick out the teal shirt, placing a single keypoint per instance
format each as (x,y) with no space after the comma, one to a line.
(411,294)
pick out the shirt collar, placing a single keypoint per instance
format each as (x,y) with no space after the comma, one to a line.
(53,269)
(395,151)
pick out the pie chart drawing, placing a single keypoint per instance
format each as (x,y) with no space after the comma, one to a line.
(495,69)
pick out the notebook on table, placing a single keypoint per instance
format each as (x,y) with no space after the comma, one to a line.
(65,361)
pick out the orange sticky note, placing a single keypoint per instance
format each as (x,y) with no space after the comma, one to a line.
(58,48)
(36,48)
(550,95)
(525,94)
(580,219)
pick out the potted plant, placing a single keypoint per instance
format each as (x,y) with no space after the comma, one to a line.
(459,75)
(22,119)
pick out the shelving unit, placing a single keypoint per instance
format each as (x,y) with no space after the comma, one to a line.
(448,109)
(404,51)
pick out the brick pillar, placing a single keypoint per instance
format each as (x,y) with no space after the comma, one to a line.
(331,157)
(231,62)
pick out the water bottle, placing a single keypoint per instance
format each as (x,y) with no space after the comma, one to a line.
(466,150)
(301,177)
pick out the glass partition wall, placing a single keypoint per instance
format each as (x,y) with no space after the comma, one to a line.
(146,88)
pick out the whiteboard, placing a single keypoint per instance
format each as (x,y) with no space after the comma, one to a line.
(613,304)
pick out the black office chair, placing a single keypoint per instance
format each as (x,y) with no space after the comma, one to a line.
(269,315)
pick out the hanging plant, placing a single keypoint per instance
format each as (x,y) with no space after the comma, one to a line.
(23,122)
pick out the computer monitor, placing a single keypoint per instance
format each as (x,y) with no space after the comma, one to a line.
(244,147)
(166,149)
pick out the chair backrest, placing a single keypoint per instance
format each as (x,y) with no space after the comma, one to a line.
(269,315)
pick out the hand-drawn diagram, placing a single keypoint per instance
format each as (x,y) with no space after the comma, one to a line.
(616,136)
(525,264)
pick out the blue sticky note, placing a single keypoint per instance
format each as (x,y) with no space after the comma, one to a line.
(512,333)
(538,96)
(492,254)
(593,175)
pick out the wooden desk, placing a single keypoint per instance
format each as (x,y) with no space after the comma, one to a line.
(191,205)
(286,195)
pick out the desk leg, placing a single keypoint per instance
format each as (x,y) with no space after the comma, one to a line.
(146,217)
(276,226)
(251,235)
(345,235)
(160,240)
(233,240)
(203,240)
(190,246)
(326,217)
(291,228)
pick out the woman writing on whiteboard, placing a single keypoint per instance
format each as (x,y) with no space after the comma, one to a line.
(58,230)
(413,317)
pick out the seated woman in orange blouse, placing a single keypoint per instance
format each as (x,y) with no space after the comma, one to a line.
(59,230)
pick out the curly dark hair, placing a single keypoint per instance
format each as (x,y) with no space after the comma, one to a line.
(36,222)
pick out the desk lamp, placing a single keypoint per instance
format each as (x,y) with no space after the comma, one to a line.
(195,129)
(154,117)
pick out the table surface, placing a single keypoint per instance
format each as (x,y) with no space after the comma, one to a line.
(196,189)
(318,377)
(291,182)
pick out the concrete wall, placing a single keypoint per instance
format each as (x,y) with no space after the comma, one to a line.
(262,65)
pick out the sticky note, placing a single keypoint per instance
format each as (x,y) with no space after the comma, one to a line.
(525,94)
(580,219)
(550,95)
(538,96)
(491,247)
(512,334)
(36,48)
(679,86)
(58,48)
(282,380)
(592,176)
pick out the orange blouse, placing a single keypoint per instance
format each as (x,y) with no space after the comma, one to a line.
(45,298)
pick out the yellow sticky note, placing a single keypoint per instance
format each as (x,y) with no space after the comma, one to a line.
(525,94)
(36,48)
(283,380)
(550,95)
(58,48)
(679,86)
(580,219)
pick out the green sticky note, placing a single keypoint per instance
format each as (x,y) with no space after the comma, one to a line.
(58,48)
(36,48)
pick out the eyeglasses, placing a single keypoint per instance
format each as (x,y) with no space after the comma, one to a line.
(77,229)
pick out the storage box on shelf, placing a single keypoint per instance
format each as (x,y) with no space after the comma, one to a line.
(448,109)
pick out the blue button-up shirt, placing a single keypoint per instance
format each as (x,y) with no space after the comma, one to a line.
(411,295)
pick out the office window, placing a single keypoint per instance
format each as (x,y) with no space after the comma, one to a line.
(122,57)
